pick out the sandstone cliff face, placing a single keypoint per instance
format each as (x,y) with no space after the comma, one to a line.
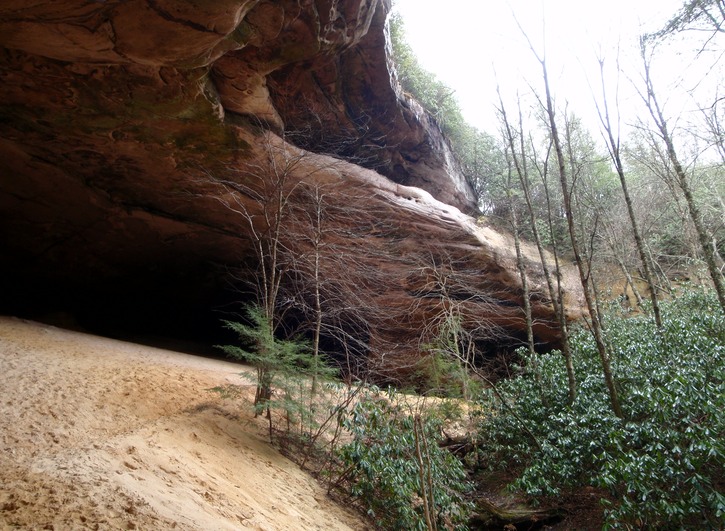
(124,126)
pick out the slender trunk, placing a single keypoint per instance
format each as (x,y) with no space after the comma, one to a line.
(597,300)
(684,185)
(583,277)
(318,300)
(316,339)
(558,296)
(423,464)
(527,297)
(639,243)
(702,235)
(630,282)
(614,154)
(719,262)
(556,299)
(696,216)
(522,274)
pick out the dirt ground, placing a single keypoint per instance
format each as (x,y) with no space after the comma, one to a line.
(102,434)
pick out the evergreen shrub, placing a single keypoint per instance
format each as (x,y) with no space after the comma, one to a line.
(395,467)
(663,465)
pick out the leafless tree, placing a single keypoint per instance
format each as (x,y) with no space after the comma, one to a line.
(662,128)
(648,157)
(520,265)
(715,136)
(456,310)
(517,149)
(259,192)
(612,140)
(564,180)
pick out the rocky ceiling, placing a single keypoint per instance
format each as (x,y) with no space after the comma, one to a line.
(130,130)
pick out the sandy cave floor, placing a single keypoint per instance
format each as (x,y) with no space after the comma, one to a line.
(102,434)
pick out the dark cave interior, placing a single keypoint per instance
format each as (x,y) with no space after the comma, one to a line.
(179,308)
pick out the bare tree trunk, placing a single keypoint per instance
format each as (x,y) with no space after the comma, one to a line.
(522,269)
(614,153)
(583,277)
(555,296)
(261,194)
(559,294)
(683,182)
(317,243)
(630,282)
(426,485)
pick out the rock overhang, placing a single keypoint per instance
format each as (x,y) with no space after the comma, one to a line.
(118,118)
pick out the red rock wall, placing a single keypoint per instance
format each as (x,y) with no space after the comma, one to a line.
(120,119)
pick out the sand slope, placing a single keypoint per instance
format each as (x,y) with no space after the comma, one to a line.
(102,434)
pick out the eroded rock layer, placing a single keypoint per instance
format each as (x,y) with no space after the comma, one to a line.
(129,130)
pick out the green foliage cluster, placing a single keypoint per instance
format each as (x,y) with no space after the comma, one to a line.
(393,463)
(442,375)
(396,468)
(700,15)
(664,464)
(434,95)
(284,367)
(443,372)
(477,152)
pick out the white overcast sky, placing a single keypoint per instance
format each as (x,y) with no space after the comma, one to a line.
(469,44)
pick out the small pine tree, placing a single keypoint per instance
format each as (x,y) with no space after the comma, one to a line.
(278,361)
